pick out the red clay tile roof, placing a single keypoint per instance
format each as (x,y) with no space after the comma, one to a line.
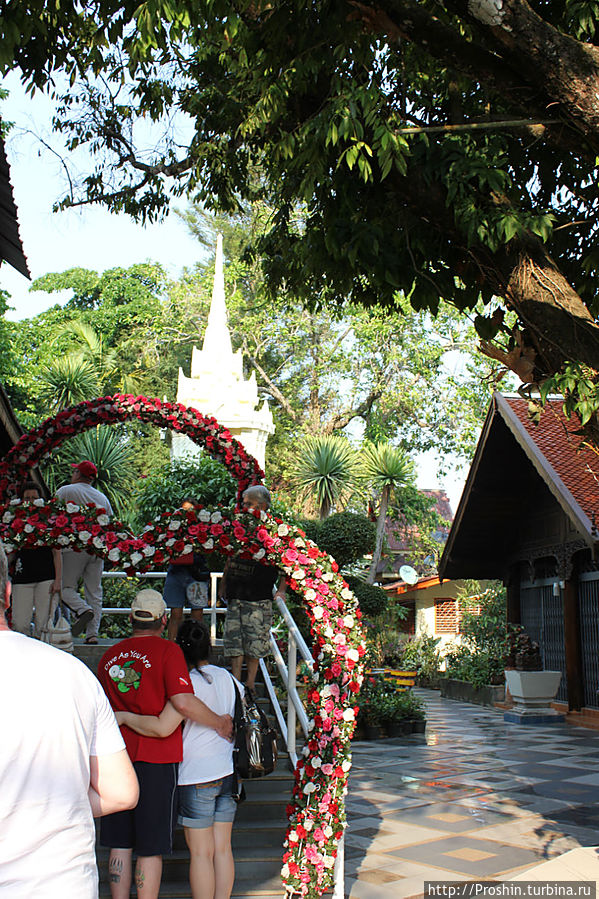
(575,464)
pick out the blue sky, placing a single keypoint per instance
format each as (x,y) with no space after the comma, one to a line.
(94,238)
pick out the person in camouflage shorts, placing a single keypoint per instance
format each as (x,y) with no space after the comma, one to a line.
(247,589)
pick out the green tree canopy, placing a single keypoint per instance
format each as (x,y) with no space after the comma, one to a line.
(443,148)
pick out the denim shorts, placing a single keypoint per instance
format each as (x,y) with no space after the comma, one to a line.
(201,805)
(176,593)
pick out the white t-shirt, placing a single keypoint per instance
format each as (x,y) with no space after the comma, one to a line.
(83,494)
(206,756)
(53,716)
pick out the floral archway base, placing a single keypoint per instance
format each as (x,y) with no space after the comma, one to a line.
(317,811)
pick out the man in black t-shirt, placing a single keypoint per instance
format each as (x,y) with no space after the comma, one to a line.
(247,588)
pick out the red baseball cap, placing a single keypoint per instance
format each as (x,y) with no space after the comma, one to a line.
(86,468)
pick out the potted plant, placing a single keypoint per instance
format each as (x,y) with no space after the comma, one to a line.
(531,688)
(371,708)
(395,717)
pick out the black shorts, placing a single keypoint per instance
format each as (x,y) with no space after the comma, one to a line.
(149,827)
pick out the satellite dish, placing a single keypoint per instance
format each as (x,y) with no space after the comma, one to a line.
(408,574)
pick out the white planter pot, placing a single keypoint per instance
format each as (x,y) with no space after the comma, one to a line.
(533,691)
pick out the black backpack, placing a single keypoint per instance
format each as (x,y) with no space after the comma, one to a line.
(255,752)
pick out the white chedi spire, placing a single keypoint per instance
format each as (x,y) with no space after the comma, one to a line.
(217,339)
(217,386)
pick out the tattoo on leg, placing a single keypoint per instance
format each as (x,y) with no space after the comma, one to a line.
(140,878)
(115,869)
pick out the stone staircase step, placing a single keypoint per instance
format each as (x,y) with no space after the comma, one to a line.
(253,877)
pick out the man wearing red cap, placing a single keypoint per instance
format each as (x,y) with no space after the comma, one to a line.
(76,566)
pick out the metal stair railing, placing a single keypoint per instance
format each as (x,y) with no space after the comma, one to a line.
(287,672)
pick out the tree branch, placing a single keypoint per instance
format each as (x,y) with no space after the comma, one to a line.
(272,387)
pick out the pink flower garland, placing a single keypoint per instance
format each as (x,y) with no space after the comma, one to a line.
(317,811)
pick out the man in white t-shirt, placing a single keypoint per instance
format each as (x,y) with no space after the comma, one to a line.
(62,762)
(83,565)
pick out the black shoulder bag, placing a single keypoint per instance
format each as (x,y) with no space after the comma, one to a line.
(255,753)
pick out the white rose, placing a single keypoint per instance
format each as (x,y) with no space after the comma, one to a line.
(299,575)
(114,555)
(285,870)
(318,612)
(204,515)
(353,654)
(328,632)
(283,530)
(316,763)
(327,830)
(299,543)
(216,517)
(149,550)
(15,501)
(310,594)
(136,557)
(348,621)
(292,836)
(72,507)
(309,788)
(327,576)
(308,823)
(98,542)
(103,520)
(329,861)
(64,541)
(346,765)
(174,525)
(348,715)
(326,691)
(170,541)
(339,638)
(187,549)
(7,517)
(346,593)
(259,555)
(209,544)
(28,528)
(84,536)
(39,502)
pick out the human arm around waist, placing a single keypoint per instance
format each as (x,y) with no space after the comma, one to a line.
(161,725)
(193,708)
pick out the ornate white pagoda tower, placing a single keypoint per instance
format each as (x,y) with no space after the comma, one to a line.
(217,386)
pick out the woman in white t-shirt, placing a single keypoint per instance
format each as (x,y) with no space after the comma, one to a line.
(206,778)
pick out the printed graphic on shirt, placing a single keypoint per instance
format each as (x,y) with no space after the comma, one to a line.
(125,677)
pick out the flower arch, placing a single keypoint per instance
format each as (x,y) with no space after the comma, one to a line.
(317,811)
(204,430)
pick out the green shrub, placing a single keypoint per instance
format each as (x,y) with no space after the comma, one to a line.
(373,601)
(478,669)
(347,537)
(201,478)
(481,658)
(422,654)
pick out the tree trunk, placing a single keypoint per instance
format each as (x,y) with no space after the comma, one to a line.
(380,533)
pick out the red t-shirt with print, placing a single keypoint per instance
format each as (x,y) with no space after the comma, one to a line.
(139,675)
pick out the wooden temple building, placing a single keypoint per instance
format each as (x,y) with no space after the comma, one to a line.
(528,516)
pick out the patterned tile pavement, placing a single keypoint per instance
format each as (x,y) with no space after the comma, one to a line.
(473,799)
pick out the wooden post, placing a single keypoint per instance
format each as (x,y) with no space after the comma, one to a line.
(513,595)
(574,674)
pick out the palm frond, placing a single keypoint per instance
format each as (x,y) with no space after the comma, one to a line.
(327,470)
(68,380)
(385,465)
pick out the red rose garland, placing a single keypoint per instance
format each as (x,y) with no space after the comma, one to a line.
(317,812)
(203,430)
